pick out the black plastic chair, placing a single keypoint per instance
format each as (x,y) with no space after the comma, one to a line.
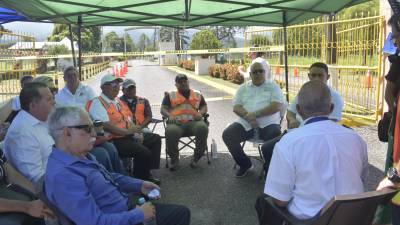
(187,140)
(356,209)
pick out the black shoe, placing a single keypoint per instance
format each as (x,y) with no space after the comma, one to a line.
(242,172)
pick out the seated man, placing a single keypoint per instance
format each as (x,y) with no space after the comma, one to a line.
(126,136)
(314,162)
(88,194)
(140,107)
(77,94)
(318,71)
(184,109)
(257,103)
(27,144)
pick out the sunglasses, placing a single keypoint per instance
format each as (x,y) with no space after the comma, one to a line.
(258,71)
(87,128)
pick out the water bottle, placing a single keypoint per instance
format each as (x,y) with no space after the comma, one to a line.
(214,151)
(151,221)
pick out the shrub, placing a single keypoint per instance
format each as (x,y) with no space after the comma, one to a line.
(211,70)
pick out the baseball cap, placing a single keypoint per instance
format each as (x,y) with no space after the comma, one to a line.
(127,83)
(180,77)
(109,78)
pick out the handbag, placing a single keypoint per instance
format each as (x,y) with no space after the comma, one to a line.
(383,127)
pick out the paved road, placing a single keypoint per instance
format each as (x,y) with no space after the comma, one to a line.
(212,193)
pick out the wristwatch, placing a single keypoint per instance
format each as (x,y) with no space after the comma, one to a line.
(392,175)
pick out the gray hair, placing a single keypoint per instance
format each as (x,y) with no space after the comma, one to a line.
(264,64)
(62,117)
(314,99)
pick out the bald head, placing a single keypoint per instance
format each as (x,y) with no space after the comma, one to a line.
(314,99)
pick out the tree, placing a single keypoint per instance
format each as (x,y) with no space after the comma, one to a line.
(90,36)
(144,43)
(260,40)
(56,50)
(205,39)
(226,34)
(114,42)
(130,45)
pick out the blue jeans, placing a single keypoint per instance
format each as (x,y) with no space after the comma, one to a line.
(107,155)
(235,134)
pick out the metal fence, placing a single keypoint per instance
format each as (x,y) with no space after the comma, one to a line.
(352,48)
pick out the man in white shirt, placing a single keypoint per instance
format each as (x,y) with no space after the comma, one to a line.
(317,71)
(27,143)
(257,103)
(314,162)
(74,93)
(77,94)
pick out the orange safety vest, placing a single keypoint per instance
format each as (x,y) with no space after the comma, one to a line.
(139,111)
(184,109)
(121,118)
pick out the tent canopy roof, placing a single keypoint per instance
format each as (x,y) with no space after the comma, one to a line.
(176,13)
(8,15)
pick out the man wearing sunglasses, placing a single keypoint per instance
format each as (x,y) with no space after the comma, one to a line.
(257,103)
(118,121)
(85,192)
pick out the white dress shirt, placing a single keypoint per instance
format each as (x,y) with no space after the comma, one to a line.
(28,145)
(82,95)
(15,103)
(336,100)
(315,162)
(253,98)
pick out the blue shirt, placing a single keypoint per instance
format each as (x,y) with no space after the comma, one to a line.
(87,194)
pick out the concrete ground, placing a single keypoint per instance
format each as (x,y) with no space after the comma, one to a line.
(213,194)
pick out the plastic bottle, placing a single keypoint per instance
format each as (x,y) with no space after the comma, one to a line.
(151,221)
(214,151)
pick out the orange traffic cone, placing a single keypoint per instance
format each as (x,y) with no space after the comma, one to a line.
(277,70)
(296,72)
(368,79)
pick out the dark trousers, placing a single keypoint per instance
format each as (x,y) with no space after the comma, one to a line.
(266,214)
(235,134)
(107,155)
(267,149)
(169,214)
(16,218)
(395,214)
(146,156)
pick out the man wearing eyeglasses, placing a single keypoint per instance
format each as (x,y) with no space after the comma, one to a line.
(257,103)
(118,121)
(85,192)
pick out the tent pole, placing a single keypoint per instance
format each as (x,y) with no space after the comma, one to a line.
(72,44)
(80,46)
(285,54)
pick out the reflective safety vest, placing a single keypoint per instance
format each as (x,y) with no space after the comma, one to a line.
(184,109)
(121,118)
(396,146)
(139,111)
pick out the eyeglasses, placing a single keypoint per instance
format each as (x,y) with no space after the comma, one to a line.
(86,127)
(258,71)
